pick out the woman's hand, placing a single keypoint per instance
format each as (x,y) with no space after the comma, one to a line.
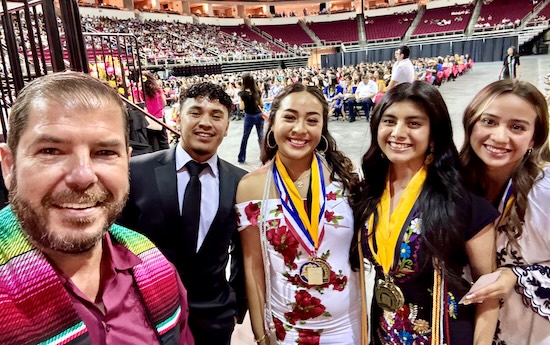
(496,290)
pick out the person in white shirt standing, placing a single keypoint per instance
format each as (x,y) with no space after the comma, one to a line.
(364,95)
(403,69)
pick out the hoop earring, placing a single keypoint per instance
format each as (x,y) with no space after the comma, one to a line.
(267,140)
(326,146)
(430,157)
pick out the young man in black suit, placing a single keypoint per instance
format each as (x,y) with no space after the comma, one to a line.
(182,198)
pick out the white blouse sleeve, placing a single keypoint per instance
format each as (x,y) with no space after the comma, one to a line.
(534,276)
(248,213)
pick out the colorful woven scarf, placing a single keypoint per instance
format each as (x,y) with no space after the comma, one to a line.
(36,309)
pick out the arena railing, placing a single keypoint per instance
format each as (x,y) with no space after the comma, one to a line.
(118,63)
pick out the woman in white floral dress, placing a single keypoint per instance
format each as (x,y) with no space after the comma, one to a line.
(298,199)
(506,159)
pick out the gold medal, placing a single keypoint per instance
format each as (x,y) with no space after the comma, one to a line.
(315,271)
(388,295)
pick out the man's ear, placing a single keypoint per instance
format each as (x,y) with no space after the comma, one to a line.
(7,164)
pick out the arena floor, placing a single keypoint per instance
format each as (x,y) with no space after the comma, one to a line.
(354,138)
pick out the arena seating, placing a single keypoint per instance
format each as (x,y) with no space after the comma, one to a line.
(248,35)
(390,26)
(193,42)
(343,31)
(503,13)
(543,15)
(445,19)
(292,33)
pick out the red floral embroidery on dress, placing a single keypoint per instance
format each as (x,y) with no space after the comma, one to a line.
(284,242)
(331,196)
(331,218)
(280,330)
(252,211)
(308,337)
(277,211)
(306,307)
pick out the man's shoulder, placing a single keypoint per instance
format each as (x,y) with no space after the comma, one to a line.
(232,169)
(153,157)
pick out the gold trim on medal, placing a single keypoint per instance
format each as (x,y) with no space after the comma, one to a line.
(315,271)
(388,295)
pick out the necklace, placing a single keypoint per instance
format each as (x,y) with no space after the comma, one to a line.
(399,185)
(299,181)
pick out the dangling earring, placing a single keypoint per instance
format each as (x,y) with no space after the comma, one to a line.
(430,157)
(528,153)
(267,140)
(325,148)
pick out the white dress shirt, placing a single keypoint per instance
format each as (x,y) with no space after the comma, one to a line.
(210,190)
(363,90)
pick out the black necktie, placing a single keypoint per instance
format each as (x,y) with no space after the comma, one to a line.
(192,207)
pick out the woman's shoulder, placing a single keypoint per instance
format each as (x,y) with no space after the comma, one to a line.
(252,185)
(542,183)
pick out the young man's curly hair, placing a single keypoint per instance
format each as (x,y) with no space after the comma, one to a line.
(210,91)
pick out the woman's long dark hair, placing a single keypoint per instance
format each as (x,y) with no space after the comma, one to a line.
(333,82)
(250,84)
(340,165)
(150,85)
(527,171)
(441,201)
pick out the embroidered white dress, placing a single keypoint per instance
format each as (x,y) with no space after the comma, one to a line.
(525,315)
(327,314)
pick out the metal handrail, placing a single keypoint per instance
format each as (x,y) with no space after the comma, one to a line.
(150,117)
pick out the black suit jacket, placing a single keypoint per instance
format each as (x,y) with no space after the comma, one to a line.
(153,210)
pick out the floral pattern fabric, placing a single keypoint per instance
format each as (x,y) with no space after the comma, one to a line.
(306,314)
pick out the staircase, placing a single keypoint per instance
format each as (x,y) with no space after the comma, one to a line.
(410,30)
(272,40)
(361,30)
(530,32)
(310,32)
(473,19)
(533,14)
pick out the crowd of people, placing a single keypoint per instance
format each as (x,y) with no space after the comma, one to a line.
(423,243)
(98,247)
(339,85)
(184,42)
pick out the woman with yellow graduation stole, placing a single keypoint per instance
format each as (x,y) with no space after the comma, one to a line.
(419,226)
(296,228)
(506,159)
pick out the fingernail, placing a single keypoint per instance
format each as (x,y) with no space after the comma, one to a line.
(471,296)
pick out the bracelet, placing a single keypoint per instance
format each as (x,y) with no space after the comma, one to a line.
(259,340)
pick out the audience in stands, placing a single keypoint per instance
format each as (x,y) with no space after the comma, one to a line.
(435,71)
(188,43)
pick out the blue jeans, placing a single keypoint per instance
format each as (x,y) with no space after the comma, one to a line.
(366,104)
(250,120)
